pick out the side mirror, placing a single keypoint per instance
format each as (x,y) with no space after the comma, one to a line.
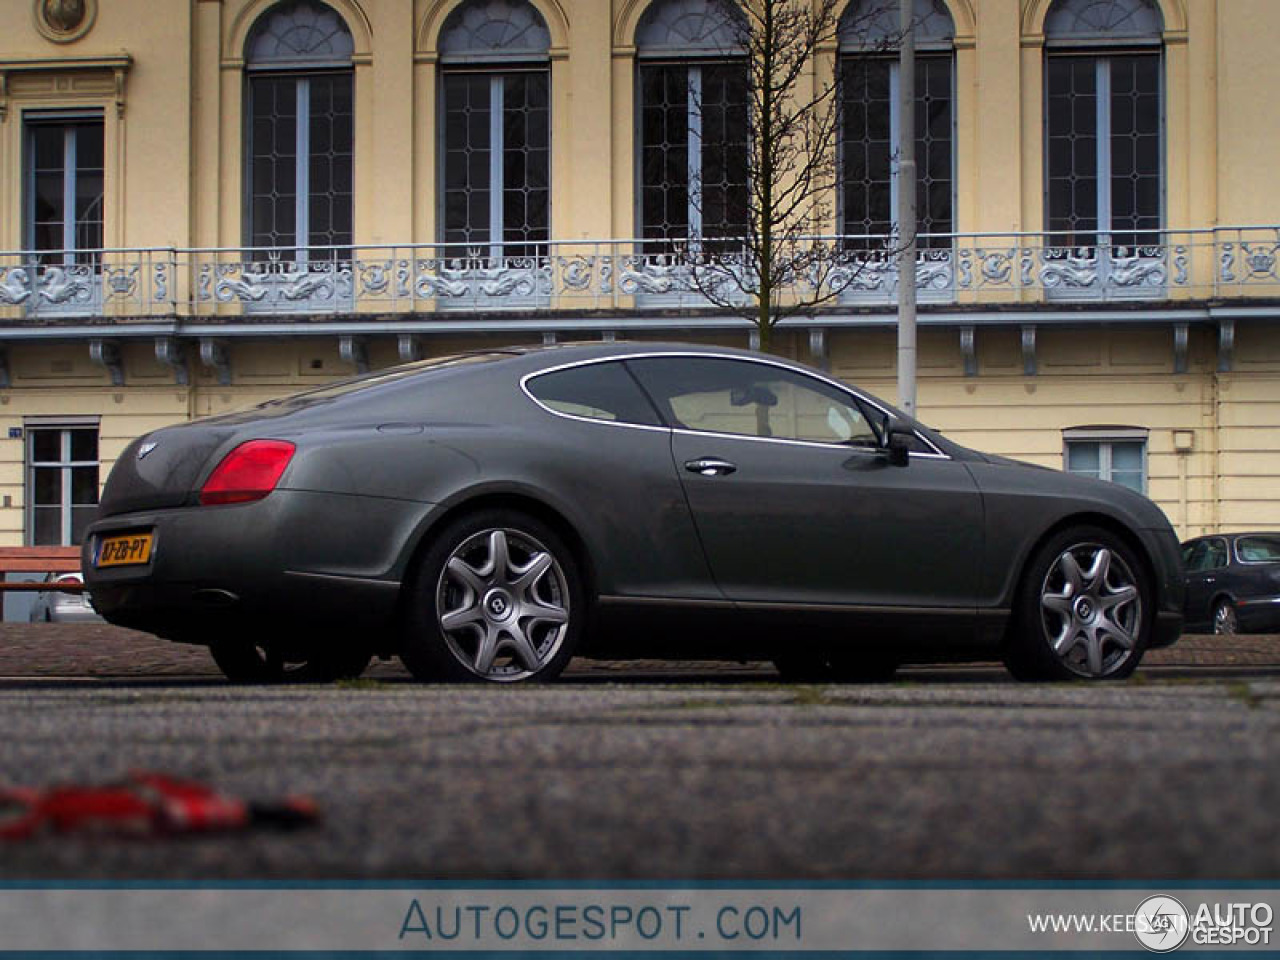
(900,441)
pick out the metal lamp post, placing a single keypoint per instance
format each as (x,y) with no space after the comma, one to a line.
(907,211)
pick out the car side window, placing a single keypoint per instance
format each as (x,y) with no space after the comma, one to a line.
(1258,549)
(1193,555)
(1215,554)
(752,400)
(596,391)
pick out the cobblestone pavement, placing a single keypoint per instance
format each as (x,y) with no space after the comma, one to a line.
(706,778)
(100,650)
(657,771)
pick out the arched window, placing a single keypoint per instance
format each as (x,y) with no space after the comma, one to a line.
(1104,119)
(693,125)
(869,35)
(300,129)
(496,127)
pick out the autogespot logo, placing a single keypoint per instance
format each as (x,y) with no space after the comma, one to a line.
(1162,924)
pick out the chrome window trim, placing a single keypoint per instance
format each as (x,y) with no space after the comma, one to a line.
(936,454)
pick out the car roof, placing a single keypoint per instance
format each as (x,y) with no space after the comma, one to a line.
(592,350)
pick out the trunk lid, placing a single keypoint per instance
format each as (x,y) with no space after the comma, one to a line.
(161,469)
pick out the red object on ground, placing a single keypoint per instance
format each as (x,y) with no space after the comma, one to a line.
(145,804)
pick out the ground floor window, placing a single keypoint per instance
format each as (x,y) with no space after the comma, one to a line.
(62,482)
(1117,456)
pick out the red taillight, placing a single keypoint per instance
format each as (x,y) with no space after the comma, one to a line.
(249,472)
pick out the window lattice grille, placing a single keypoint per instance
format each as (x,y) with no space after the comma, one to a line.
(65,177)
(497,161)
(301,156)
(1105,177)
(875,24)
(502,29)
(693,155)
(1109,19)
(299,33)
(868,142)
(688,27)
(301,132)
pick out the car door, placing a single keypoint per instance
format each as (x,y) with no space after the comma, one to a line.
(1206,562)
(614,463)
(794,500)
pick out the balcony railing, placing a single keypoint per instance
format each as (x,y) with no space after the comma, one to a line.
(617,276)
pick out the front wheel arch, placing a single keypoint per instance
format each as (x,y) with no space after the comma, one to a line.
(1102,520)
(1030,653)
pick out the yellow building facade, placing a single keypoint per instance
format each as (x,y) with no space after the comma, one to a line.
(209,203)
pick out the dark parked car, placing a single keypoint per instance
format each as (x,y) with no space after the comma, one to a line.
(488,516)
(1233,583)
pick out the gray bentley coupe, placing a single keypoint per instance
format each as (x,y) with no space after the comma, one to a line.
(490,515)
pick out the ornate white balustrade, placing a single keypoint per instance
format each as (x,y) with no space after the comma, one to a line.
(618,276)
(78,283)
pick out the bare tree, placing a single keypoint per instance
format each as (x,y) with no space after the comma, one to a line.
(769,260)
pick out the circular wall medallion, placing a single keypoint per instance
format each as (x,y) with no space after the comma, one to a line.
(63,21)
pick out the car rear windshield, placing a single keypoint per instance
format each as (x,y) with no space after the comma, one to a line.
(1259,549)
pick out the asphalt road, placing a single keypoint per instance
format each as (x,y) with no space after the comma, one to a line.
(656,773)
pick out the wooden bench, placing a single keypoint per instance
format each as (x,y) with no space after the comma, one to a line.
(39,560)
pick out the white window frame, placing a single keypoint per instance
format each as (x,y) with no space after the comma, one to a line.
(1106,438)
(64,464)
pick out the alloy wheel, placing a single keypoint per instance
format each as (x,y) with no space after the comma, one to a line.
(1225,621)
(1091,610)
(502,604)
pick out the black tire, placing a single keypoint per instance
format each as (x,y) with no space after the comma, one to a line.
(1088,618)
(1226,623)
(247,661)
(866,667)
(519,621)
(243,661)
(339,661)
(803,668)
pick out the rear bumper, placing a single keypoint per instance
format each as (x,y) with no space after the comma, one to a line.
(294,559)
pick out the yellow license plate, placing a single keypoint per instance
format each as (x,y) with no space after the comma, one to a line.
(123,551)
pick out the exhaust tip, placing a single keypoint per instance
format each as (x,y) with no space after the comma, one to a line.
(215,598)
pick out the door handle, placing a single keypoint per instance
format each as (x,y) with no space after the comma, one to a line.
(710,467)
